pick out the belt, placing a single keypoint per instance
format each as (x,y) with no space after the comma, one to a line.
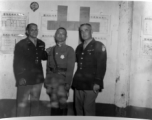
(58,69)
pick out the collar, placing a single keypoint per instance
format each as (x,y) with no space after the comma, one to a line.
(85,44)
(88,41)
(60,45)
(31,42)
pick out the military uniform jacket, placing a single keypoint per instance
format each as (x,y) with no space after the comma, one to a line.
(65,58)
(91,66)
(27,61)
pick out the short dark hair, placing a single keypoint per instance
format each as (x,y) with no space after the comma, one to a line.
(88,24)
(28,27)
(61,28)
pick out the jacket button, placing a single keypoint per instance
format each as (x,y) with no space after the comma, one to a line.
(81,58)
(82,53)
(36,61)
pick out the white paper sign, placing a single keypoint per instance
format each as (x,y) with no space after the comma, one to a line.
(104,21)
(9,40)
(13,21)
(45,17)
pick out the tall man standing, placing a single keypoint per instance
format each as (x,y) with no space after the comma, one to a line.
(28,71)
(91,60)
(60,67)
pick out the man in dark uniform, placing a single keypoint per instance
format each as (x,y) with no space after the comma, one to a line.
(28,71)
(91,60)
(60,67)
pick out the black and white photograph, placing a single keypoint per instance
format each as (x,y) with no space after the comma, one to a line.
(75,60)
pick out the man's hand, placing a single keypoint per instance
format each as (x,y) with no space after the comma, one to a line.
(22,81)
(48,49)
(96,88)
(67,88)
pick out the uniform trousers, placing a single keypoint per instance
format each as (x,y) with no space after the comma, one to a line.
(24,108)
(55,88)
(85,102)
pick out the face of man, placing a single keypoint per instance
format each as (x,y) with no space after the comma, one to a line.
(60,35)
(86,32)
(32,31)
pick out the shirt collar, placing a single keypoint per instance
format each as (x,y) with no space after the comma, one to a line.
(88,41)
(60,45)
(32,41)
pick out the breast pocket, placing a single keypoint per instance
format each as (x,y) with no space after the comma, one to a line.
(62,58)
(41,52)
(90,55)
(41,49)
(89,59)
(28,53)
